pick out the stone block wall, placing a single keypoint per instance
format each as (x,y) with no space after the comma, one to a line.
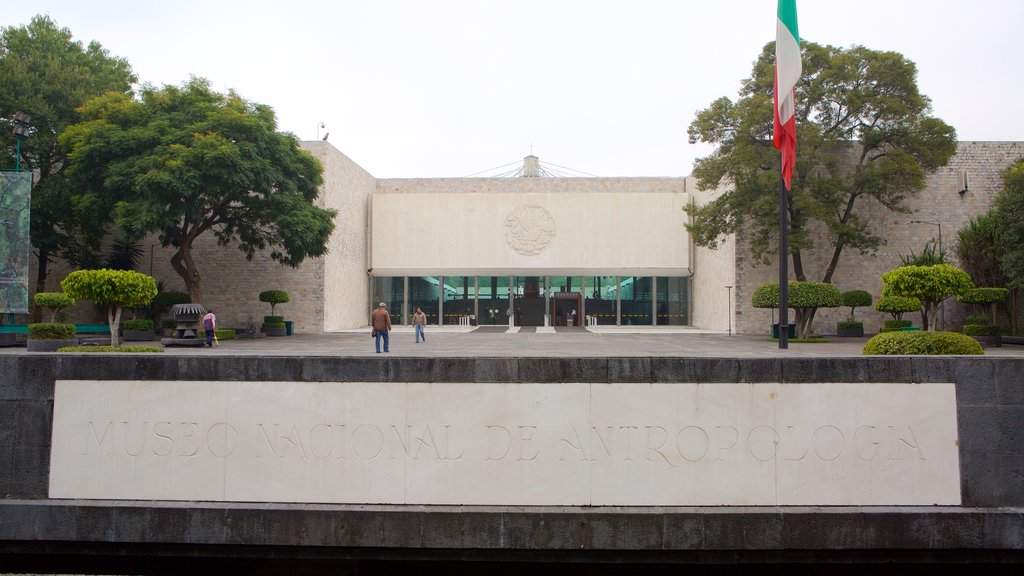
(940,201)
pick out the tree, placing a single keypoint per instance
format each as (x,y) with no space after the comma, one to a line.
(1010,221)
(979,248)
(186,161)
(47,75)
(855,299)
(111,289)
(274,297)
(54,302)
(804,298)
(863,132)
(897,306)
(929,284)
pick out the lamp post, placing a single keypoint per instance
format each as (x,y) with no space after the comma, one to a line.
(21,130)
(729,288)
(942,311)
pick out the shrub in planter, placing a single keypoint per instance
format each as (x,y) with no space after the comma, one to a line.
(982,330)
(50,336)
(51,331)
(273,320)
(922,343)
(804,298)
(138,330)
(850,329)
(274,328)
(894,325)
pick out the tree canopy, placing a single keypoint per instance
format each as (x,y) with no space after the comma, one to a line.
(186,160)
(864,131)
(1010,220)
(929,284)
(114,290)
(48,75)
(803,297)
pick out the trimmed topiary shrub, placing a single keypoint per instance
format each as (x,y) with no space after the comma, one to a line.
(54,302)
(922,343)
(855,298)
(898,305)
(804,298)
(111,289)
(929,284)
(51,331)
(274,297)
(982,330)
(138,325)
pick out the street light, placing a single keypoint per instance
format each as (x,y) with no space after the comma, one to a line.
(729,288)
(22,129)
(939,225)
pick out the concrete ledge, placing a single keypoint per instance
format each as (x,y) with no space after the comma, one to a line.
(24,522)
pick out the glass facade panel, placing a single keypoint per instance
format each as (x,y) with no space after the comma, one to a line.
(391,291)
(493,300)
(635,296)
(601,299)
(674,301)
(459,298)
(423,292)
(529,301)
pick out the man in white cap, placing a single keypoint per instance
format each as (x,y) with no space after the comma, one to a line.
(381,322)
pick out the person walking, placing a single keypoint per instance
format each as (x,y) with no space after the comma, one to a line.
(210,325)
(419,322)
(381,322)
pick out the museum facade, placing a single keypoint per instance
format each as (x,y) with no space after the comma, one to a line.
(549,251)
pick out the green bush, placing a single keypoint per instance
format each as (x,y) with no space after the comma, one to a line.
(127,349)
(138,325)
(985,329)
(983,296)
(273,325)
(898,305)
(801,295)
(850,324)
(274,297)
(273,320)
(894,325)
(220,334)
(54,302)
(922,343)
(855,299)
(113,290)
(51,331)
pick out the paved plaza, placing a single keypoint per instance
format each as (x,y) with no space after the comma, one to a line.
(499,341)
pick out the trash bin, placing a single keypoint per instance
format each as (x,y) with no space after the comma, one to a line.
(287,327)
(791,332)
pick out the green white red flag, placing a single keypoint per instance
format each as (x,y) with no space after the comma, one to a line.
(787,73)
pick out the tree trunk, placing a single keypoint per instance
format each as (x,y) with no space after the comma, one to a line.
(42,273)
(185,266)
(114,322)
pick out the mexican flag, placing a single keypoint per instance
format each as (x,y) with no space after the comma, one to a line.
(787,72)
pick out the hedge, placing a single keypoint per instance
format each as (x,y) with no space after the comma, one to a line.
(138,325)
(922,343)
(51,331)
(982,330)
(983,296)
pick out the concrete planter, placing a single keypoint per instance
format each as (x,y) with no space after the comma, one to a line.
(282,331)
(48,345)
(850,331)
(139,335)
(995,341)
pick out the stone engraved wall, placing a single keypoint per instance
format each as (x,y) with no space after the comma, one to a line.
(506,443)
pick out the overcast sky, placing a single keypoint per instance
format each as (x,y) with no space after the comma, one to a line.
(451,88)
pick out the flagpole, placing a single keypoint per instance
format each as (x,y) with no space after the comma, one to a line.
(783,263)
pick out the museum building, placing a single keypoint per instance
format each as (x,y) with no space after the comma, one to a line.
(535,250)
